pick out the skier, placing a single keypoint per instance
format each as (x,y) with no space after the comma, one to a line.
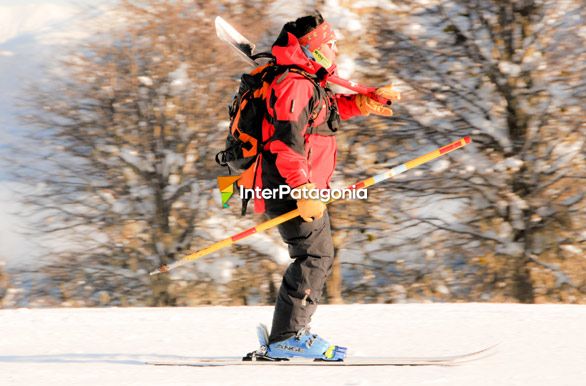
(300,151)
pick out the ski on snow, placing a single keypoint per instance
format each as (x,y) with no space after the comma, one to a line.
(448,360)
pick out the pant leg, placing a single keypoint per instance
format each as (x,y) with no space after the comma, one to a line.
(310,244)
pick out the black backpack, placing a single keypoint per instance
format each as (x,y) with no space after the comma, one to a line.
(244,141)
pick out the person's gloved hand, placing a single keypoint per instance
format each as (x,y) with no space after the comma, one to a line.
(368,106)
(310,209)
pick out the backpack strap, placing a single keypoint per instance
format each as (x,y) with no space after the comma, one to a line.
(247,180)
(315,108)
(321,93)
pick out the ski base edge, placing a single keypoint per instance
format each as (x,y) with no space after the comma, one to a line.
(450,360)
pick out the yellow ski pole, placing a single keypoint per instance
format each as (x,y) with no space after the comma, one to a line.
(294,213)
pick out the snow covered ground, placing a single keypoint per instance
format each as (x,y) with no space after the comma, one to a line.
(539,345)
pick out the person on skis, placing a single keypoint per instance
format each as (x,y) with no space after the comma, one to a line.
(300,151)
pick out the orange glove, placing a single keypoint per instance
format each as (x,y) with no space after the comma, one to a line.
(310,209)
(367,105)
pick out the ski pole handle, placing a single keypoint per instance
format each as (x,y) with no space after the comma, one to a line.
(360,89)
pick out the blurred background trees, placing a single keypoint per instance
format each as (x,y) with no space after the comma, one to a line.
(3,283)
(121,164)
(510,210)
(125,148)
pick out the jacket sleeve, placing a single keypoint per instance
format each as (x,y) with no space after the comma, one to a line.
(288,104)
(347,106)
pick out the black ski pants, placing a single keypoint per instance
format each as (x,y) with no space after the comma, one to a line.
(311,246)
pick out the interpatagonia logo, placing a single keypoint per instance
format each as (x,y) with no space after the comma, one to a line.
(282,192)
(226,186)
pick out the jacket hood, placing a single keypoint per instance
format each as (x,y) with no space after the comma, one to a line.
(288,52)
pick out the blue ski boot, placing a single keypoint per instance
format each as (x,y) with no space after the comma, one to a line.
(302,345)
(306,345)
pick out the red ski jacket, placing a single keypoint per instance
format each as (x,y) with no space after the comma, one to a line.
(300,128)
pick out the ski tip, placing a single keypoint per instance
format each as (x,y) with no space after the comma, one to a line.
(162,269)
(467,139)
(219,22)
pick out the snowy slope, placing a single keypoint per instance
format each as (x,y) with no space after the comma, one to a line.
(539,345)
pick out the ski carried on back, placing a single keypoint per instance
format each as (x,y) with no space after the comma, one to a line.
(245,50)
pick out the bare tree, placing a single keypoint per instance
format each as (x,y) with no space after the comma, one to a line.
(123,169)
(508,210)
(126,156)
